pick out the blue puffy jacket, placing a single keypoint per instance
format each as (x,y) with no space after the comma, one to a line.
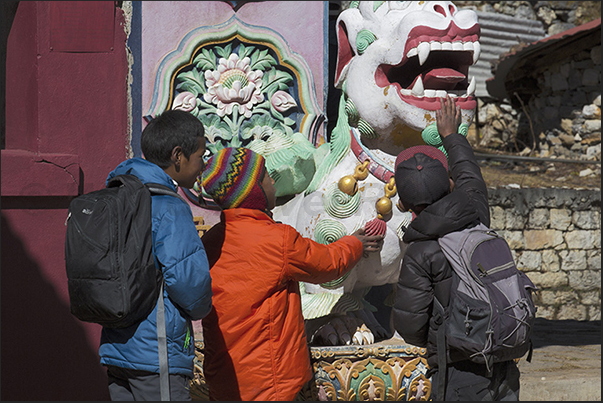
(187,291)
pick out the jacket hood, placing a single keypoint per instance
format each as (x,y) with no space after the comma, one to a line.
(146,171)
(453,212)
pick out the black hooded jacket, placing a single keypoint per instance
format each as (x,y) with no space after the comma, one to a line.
(425,272)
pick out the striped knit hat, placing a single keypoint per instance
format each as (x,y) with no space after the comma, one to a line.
(232,178)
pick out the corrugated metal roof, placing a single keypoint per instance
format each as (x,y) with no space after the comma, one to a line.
(499,33)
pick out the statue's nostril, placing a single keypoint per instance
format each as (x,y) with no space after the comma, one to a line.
(439,9)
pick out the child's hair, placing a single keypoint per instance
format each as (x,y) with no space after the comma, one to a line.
(170,129)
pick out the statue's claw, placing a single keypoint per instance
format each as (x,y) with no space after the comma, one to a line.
(363,335)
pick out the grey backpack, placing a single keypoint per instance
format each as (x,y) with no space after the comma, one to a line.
(491,313)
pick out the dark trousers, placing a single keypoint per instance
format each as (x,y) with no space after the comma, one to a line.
(468,382)
(130,385)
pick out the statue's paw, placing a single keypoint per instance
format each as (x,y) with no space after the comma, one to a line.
(363,335)
(337,330)
(377,331)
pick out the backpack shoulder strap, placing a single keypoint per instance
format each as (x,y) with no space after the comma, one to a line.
(439,315)
(156,188)
(124,179)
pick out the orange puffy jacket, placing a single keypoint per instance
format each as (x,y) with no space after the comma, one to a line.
(255,342)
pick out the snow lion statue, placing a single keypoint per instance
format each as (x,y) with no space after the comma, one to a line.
(396,59)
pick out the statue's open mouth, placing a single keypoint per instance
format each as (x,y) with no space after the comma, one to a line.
(435,64)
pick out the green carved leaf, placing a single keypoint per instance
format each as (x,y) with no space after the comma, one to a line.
(289,122)
(191,81)
(214,148)
(235,142)
(261,60)
(267,121)
(206,60)
(245,51)
(225,51)
(276,80)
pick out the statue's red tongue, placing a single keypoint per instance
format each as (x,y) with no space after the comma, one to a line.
(442,79)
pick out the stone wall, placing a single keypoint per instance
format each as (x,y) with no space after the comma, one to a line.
(556,238)
(566,114)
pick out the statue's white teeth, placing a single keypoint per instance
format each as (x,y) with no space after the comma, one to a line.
(471,87)
(477,49)
(423,52)
(457,46)
(446,46)
(418,90)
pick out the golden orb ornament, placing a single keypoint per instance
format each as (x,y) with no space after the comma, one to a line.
(348,185)
(384,206)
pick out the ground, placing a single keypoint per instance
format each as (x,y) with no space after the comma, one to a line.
(529,174)
(564,366)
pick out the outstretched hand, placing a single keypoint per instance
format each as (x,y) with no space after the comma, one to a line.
(448,118)
(370,243)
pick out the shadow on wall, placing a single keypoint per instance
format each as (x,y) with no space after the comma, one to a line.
(44,351)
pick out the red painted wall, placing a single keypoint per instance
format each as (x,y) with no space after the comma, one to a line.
(66,128)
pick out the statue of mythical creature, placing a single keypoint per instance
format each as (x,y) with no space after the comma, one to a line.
(396,59)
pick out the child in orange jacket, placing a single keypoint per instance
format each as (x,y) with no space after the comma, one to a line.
(255,342)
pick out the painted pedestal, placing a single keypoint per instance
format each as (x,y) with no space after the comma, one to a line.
(389,370)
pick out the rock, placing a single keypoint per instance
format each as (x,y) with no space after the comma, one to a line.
(546,15)
(586,172)
(559,27)
(595,55)
(566,140)
(591,111)
(594,152)
(592,140)
(591,77)
(566,125)
(591,126)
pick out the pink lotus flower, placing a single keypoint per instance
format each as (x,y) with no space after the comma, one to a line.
(233,83)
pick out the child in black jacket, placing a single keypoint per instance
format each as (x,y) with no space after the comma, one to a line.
(425,186)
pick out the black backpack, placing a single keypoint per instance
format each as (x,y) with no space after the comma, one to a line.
(112,278)
(491,312)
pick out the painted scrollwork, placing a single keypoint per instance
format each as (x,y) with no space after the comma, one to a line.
(397,378)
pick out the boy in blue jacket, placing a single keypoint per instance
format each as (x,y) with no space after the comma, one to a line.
(173,145)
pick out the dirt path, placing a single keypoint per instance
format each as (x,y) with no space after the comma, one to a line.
(536,175)
(566,363)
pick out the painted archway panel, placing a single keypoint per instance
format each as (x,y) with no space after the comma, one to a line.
(249,88)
